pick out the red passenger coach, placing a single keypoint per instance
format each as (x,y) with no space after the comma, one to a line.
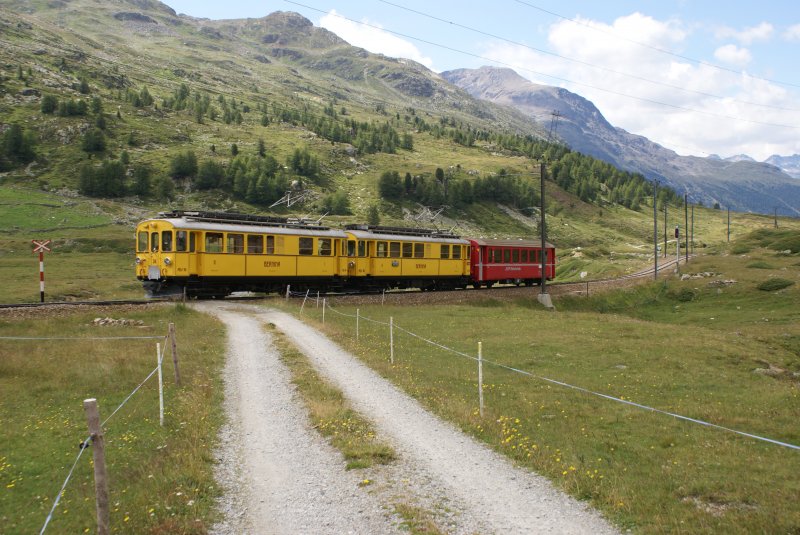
(510,262)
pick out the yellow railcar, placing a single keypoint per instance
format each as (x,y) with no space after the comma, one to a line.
(392,257)
(208,254)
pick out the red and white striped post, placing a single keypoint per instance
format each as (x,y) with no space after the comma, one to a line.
(40,247)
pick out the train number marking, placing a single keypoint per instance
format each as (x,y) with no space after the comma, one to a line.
(422,266)
(271,264)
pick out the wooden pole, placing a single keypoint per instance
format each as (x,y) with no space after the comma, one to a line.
(391,339)
(324,303)
(480,378)
(357,314)
(304,301)
(686,225)
(174,343)
(655,235)
(99,454)
(160,386)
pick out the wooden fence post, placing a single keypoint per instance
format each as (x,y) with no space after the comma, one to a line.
(357,325)
(480,377)
(159,359)
(99,453)
(324,303)
(391,339)
(174,340)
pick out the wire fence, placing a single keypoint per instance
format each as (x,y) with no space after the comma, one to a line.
(394,326)
(88,440)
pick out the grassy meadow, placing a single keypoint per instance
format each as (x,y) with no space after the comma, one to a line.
(160,478)
(707,348)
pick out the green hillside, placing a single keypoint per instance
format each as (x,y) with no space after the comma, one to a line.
(112,111)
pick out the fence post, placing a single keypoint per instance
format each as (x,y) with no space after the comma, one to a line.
(99,454)
(304,301)
(288,288)
(174,340)
(317,299)
(391,339)
(159,359)
(480,377)
(383,296)
(357,325)
(324,302)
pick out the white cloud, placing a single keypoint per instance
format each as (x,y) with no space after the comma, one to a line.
(733,54)
(792,33)
(695,109)
(371,36)
(747,36)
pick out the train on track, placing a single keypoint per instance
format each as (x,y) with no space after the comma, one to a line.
(214,254)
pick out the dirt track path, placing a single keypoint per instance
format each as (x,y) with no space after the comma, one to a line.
(481,490)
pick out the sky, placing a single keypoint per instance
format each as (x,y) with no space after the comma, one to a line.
(698,77)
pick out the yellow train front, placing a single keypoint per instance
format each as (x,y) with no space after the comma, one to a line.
(212,254)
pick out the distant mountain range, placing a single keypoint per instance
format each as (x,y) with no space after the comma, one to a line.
(739,182)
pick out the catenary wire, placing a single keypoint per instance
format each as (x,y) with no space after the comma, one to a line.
(517,67)
(587,63)
(658,49)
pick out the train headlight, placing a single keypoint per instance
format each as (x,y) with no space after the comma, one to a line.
(138,260)
(167,261)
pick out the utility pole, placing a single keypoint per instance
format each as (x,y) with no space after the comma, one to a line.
(665,229)
(686,223)
(692,229)
(655,230)
(544,297)
(729,225)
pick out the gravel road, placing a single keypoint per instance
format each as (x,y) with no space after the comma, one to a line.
(282,477)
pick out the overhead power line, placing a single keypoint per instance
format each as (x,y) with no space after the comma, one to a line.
(657,49)
(587,63)
(525,69)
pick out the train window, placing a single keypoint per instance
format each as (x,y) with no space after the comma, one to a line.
(236,243)
(306,246)
(507,255)
(515,255)
(270,244)
(456,252)
(154,241)
(180,241)
(394,249)
(408,250)
(351,248)
(193,241)
(166,241)
(324,247)
(362,248)
(213,242)
(279,245)
(255,244)
(141,243)
(382,249)
(495,256)
(419,250)
(445,251)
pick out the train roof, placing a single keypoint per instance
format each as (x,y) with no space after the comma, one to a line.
(224,222)
(491,242)
(366,232)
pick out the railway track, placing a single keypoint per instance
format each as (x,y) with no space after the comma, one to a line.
(559,288)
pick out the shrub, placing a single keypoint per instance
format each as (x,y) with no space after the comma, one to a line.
(771,285)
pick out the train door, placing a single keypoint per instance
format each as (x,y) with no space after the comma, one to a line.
(194,239)
(363,259)
(352,268)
